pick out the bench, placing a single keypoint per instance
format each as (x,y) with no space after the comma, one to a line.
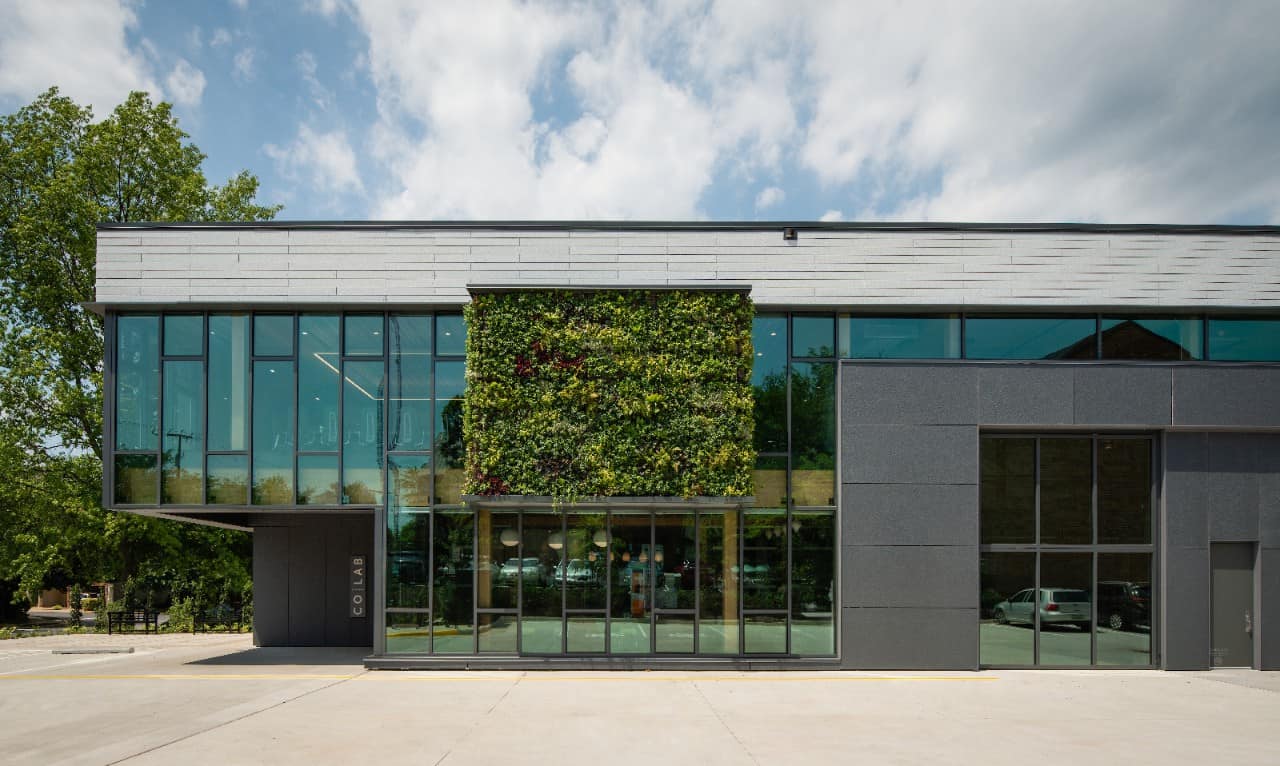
(222,617)
(147,618)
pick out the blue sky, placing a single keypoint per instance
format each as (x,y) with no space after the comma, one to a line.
(679,109)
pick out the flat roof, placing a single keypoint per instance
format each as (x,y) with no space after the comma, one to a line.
(832,226)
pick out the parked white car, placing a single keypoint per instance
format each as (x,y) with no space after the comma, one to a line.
(1057,606)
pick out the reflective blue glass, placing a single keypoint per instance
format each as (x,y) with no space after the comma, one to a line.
(273,335)
(409,384)
(138,383)
(182,469)
(182,334)
(1244,340)
(1155,338)
(451,335)
(1007,337)
(769,382)
(317,480)
(363,334)
(318,379)
(450,384)
(228,382)
(362,402)
(900,337)
(813,336)
(228,479)
(273,445)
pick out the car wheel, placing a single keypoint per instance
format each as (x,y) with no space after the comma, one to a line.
(1000,617)
(1116,621)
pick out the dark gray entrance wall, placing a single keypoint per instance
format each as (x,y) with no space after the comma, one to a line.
(301,579)
(1219,487)
(909,499)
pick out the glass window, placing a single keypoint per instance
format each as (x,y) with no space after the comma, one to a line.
(450,452)
(1008,490)
(183,457)
(408,632)
(362,433)
(718,583)
(1030,337)
(764,561)
(409,425)
(764,633)
(137,480)
(1124,609)
(498,536)
(585,573)
(454,588)
(631,601)
(900,337)
(1066,609)
(770,479)
(1244,340)
(273,447)
(228,382)
(813,569)
(451,335)
(813,336)
(1124,491)
(318,366)
(673,633)
(273,335)
(408,558)
(363,335)
(496,633)
(1006,627)
(1066,491)
(769,382)
(585,633)
(228,480)
(137,383)
(813,433)
(317,480)
(182,334)
(673,563)
(541,575)
(1156,338)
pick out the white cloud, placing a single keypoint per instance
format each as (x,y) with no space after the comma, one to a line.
(326,8)
(185,84)
(832,216)
(221,36)
(769,196)
(1092,111)
(325,160)
(650,103)
(240,4)
(81,46)
(242,65)
(195,38)
(321,96)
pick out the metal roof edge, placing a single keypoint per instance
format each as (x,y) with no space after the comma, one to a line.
(621,226)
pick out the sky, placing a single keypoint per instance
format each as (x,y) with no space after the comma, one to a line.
(1156,112)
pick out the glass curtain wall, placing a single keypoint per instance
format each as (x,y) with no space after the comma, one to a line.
(1067,550)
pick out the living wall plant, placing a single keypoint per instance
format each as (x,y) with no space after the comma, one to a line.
(609,393)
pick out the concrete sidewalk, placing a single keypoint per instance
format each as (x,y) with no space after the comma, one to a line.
(214,699)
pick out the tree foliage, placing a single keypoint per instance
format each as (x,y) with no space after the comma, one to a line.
(61,173)
(611,393)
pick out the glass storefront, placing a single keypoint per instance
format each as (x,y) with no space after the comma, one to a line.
(1066,550)
(620,582)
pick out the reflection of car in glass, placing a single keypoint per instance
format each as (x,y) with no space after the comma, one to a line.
(576,571)
(1124,605)
(532,569)
(1058,606)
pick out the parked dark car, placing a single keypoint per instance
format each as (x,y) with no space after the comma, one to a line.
(1124,605)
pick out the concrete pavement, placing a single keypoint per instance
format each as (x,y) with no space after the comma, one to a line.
(214,699)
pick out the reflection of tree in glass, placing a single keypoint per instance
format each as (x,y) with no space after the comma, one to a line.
(359,493)
(771,413)
(226,490)
(317,496)
(813,416)
(272,490)
(449,441)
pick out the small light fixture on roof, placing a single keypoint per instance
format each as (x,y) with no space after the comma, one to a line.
(789,234)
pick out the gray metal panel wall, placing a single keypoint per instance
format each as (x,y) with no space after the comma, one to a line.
(302,582)
(1219,487)
(909,513)
(819,268)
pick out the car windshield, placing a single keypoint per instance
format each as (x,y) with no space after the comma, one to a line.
(1068,596)
(1142,591)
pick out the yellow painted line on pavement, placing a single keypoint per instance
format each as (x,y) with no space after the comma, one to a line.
(417,677)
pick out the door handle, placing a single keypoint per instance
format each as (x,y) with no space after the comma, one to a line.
(1248,623)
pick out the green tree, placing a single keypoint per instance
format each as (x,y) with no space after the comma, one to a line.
(60,174)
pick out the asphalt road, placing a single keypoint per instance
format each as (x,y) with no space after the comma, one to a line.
(213,699)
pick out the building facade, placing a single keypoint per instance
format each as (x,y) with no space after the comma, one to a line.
(978,445)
